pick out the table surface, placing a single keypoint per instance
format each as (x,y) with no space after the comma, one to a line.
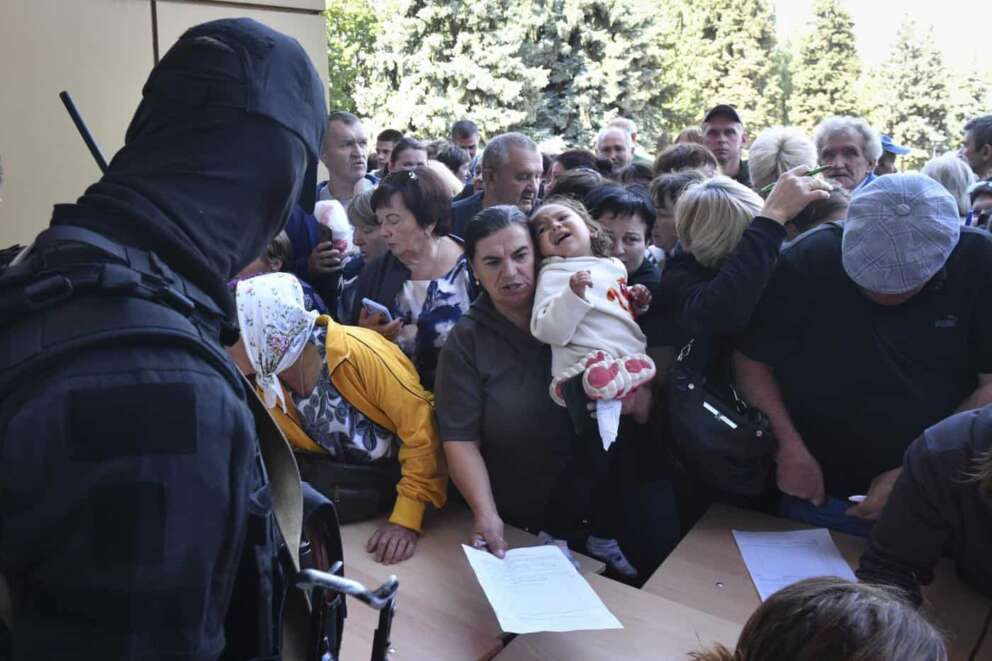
(706,572)
(442,612)
(654,628)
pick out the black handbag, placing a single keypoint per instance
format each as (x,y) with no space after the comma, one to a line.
(358,491)
(717,436)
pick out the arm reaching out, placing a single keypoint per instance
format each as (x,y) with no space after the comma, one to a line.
(798,473)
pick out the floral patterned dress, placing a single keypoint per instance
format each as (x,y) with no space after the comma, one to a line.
(430,309)
(338,427)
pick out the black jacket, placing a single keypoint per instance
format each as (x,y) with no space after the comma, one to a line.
(712,306)
(936,507)
(463,211)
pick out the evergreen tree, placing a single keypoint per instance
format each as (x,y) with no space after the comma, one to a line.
(604,58)
(352,28)
(729,46)
(912,100)
(783,58)
(439,62)
(825,74)
(970,96)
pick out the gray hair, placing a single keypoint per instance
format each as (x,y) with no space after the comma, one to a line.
(627,125)
(360,213)
(954,174)
(497,152)
(776,150)
(609,129)
(831,126)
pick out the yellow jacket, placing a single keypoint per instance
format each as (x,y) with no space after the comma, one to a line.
(375,377)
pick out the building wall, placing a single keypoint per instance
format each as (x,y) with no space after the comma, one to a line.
(101,52)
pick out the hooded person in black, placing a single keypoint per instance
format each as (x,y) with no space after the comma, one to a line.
(133,502)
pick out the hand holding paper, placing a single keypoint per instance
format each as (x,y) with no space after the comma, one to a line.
(537,589)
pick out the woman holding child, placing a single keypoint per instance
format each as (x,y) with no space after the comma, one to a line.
(506,442)
(511,450)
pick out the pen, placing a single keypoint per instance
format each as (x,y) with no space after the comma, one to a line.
(856,499)
(769,187)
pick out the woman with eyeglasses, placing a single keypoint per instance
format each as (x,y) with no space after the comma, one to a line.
(424,279)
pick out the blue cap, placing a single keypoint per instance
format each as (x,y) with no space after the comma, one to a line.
(893,148)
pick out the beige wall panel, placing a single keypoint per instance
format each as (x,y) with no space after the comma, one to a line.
(99,50)
(175,17)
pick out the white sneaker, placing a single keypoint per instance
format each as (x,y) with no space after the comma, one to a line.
(608,550)
(545,538)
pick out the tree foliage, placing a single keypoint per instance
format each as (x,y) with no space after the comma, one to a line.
(730,45)
(911,94)
(826,71)
(351,29)
(970,96)
(603,58)
(562,68)
(438,62)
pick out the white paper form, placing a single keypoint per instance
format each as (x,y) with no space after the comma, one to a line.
(778,559)
(537,589)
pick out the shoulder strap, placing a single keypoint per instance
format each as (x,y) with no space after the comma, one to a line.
(283,474)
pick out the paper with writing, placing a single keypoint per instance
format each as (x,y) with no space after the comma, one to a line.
(537,589)
(778,559)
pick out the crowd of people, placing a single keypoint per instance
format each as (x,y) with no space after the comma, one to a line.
(514,320)
(544,297)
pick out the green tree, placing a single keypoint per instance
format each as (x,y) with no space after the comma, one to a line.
(604,58)
(352,28)
(728,47)
(438,62)
(783,58)
(970,97)
(825,74)
(911,98)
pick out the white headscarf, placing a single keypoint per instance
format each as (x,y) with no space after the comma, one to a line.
(275,328)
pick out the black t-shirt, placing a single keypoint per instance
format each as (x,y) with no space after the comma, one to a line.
(861,381)
(492,387)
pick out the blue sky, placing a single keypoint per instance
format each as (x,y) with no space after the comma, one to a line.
(958,26)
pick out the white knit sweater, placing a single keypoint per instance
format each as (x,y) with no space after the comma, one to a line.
(574,326)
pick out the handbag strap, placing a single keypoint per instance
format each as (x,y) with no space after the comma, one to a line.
(685,352)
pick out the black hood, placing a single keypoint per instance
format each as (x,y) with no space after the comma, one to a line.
(216,155)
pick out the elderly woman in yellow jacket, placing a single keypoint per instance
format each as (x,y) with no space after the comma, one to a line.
(346,391)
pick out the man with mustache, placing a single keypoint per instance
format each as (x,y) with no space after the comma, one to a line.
(724,135)
(511,170)
(851,148)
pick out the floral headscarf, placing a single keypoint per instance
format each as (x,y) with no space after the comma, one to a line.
(275,328)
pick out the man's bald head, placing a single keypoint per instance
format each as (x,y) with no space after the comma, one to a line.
(615,144)
(627,125)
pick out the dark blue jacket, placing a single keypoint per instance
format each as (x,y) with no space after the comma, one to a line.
(936,508)
(463,211)
(301,228)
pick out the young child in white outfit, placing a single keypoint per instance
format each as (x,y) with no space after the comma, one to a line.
(584,309)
